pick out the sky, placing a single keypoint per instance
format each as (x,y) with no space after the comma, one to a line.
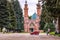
(31,6)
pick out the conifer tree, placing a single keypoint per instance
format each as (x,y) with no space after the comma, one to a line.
(3,14)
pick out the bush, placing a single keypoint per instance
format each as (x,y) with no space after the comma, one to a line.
(42,25)
(49,25)
(52,33)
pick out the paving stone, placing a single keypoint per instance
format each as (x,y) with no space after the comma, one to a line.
(17,36)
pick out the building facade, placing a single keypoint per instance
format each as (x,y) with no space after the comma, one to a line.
(32,24)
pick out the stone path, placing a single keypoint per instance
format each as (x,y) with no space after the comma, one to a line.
(27,36)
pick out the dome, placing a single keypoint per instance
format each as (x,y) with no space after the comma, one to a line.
(34,16)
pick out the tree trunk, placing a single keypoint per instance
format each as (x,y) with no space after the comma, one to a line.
(1,29)
(56,25)
(59,24)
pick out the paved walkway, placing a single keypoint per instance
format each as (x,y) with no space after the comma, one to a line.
(27,36)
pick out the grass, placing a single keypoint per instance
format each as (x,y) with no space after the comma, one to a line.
(53,33)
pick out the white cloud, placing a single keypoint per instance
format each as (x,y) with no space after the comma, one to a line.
(31,5)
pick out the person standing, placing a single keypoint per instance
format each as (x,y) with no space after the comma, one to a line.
(48,31)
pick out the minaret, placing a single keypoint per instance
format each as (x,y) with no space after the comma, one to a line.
(26,17)
(26,9)
(37,25)
(38,8)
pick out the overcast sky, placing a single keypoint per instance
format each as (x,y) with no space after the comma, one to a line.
(31,6)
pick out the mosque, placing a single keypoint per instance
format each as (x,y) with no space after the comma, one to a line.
(32,24)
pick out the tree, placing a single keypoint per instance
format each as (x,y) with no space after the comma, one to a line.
(18,14)
(42,23)
(46,15)
(53,7)
(3,14)
(11,14)
(12,18)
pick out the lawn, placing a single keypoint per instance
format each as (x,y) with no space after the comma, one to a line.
(53,33)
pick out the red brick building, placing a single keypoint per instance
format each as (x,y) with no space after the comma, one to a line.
(31,24)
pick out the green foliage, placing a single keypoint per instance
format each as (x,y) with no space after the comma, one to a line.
(53,6)
(59,35)
(49,25)
(18,14)
(12,18)
(52,33)
(50,9)
(3,14)
(42,25)
(10,14)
